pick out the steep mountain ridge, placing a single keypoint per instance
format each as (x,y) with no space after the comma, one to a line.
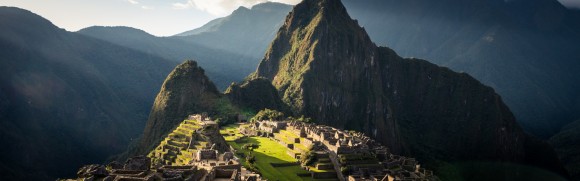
(67,99)
(325,66)
(525,50)
(185,91)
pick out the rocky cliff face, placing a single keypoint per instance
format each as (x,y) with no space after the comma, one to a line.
(255,94)
(325,66)
(185,91)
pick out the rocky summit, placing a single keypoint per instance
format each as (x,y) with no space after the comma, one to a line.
(186,90)
(325,66)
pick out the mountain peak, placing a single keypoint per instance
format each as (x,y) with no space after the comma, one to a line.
(186,90)
(315,30)
(269,6)
(325,66)
(316,11)
(241,9)
(11,15)
(19,21)
(122,30)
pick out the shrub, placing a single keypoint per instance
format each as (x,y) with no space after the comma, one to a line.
(251,160)
(250,146)
(345,170)
(309,157)
(268,114)
(302,119)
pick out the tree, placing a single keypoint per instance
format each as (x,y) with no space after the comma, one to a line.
(250,146)
(250,159)
(345,170)
(304,119)
(268,114)
(309,157)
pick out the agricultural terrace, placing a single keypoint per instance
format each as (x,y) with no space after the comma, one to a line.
(272,159)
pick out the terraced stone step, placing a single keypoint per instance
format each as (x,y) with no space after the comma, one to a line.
(178,144)
(176,149)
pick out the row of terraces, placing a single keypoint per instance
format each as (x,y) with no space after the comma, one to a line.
(179,145)
(296,145)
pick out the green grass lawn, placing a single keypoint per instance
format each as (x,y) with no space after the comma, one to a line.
(268,151)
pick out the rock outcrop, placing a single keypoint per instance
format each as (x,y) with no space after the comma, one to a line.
(325,66)
(92,170)
(138,163)
(255,94)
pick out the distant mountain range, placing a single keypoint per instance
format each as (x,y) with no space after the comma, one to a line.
(67,99)
(246,31)
(222,66)
(228,48)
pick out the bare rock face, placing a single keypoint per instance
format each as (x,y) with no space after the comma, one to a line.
(325,66)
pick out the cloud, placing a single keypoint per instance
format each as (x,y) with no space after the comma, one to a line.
(133,1)
(223,7)
(137,3)
(185,5)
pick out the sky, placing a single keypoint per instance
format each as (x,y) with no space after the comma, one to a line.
(158,17)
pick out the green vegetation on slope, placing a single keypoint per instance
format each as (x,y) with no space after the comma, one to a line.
(268,114)
(255,94)
(186,91)
(325,66)
(531,62)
